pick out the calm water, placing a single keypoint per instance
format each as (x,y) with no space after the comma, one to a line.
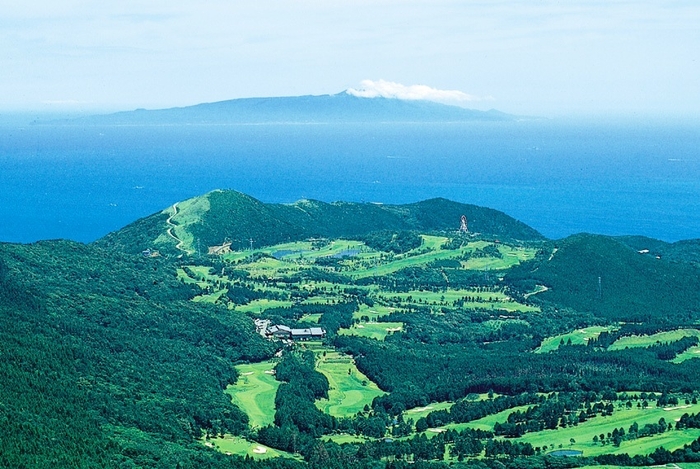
(561,177)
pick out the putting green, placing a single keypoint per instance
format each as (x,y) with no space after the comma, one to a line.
(242,447)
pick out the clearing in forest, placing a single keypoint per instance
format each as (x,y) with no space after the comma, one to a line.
(372,330)
(577,337)
(653,339)
(583,433)
(242,447)
(254,392)
(350,390)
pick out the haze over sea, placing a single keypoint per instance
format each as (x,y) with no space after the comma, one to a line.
(559,176)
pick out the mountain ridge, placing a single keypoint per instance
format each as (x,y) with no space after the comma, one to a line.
(225,215)
(340,107)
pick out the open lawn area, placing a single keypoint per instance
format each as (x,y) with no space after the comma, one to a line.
(647,340)
(692,352)
(350,390)
(583,433)
(210,297)
(373,312)
(254,392)
(372,330)
(487,423)
(577,337)
(419,412)
(256,306)
(242,447)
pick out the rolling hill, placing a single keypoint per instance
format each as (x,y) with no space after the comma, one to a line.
(221,216)
(605,276)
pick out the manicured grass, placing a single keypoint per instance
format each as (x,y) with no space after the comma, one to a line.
(256,306)
(583,433)
(310,318)
(373,312)
(254,392)
(372,330)
(498,300)
(430,252)
(303,251)
(692,352)
(350,390)
(577,337)
(647,340)
(242,447)
(210,297)
(487,423)
(419,412)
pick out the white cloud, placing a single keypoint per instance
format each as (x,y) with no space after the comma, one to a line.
(390,89)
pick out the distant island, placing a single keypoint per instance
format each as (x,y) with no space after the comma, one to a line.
(341,107)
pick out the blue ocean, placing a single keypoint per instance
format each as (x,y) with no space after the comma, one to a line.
(559,176)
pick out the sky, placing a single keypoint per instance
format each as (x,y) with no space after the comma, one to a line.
(534,57)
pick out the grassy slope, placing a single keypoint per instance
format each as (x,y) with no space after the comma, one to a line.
(254,392)
(583,433)
(577,337)
(647,340)
(347,395)
(243,447)
(634,287)
(238,217)
(372,330)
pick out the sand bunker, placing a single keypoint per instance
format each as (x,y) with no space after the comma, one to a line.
(260,450)
(248,373)
(421,409)
(677,407)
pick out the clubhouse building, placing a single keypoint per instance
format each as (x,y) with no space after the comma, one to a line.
(284,332)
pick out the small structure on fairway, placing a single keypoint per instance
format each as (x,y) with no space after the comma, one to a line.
(220,250)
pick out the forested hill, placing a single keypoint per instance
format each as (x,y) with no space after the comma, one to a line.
(607,277)
(341,107)
(222,216)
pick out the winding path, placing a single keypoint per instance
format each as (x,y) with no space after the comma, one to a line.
(172,227)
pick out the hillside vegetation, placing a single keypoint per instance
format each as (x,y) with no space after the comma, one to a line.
(492,349)
(229,216)
(603,276)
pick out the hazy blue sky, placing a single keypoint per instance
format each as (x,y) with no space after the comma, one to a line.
(532,56)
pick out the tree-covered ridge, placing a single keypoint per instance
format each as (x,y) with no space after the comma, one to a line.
(230,216)
(599,274)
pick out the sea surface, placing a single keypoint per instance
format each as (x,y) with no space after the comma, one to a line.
(559,176)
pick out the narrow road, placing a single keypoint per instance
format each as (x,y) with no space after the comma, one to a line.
(172,227)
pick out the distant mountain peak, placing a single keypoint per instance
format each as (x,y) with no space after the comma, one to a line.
(343,107)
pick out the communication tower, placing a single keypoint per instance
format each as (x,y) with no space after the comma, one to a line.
(463,226)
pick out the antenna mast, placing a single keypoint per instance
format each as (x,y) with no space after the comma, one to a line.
(463,228)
